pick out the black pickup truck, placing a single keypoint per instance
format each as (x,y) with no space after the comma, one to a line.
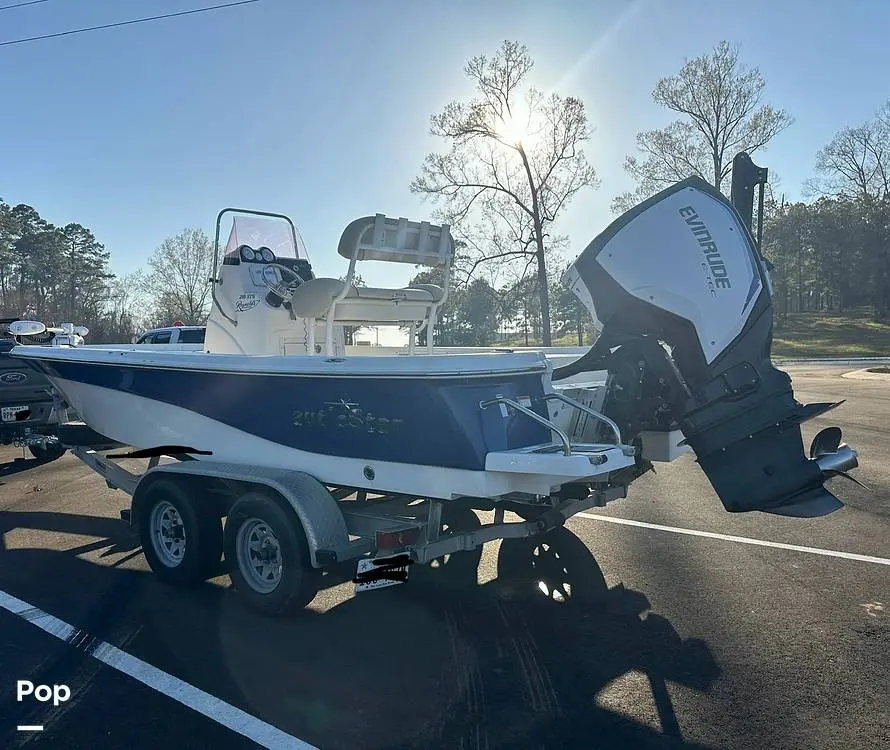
(26,403)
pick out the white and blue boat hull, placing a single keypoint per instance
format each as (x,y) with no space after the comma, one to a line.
(342,420)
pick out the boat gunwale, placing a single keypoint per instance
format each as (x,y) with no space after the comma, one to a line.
(168,361)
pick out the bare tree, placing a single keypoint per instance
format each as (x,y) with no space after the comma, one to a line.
(514,163)
(177,277)
(125,310)
(854,169)
(856,163)
(718,99)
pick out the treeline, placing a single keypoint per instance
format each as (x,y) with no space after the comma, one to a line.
(479,314)
(58,274)
(61,274)
(830,255)
(833,253)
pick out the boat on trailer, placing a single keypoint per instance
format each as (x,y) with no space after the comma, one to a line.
(316,456)
(264,392)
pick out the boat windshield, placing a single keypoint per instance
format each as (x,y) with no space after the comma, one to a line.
(264,231)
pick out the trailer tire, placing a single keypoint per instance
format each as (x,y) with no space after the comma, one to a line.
(163,513)
(47,453)
(556,565)
(268,556)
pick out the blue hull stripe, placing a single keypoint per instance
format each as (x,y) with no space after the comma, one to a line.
(432,421)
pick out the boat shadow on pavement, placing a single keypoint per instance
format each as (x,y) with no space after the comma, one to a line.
(518,662)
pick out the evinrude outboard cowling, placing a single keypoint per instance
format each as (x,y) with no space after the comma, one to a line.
(683,296)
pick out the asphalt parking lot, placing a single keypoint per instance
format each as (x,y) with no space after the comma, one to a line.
(641,634)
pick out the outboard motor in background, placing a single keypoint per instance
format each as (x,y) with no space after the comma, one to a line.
(684,301)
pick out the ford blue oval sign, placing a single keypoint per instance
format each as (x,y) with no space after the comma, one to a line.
(12,377)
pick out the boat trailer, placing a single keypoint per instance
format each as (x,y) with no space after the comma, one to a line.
(286,535)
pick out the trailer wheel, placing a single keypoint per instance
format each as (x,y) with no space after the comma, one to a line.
(182,544)
(556,565)
(268,556)
(46,453)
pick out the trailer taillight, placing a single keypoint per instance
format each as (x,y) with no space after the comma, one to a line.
(397,539)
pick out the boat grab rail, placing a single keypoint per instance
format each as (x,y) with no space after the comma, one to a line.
(583,407)
(564,438)
(566,443)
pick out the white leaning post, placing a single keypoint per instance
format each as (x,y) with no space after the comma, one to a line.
(398,252)
(310,336)
(412,333)
(329,319)
(445,250)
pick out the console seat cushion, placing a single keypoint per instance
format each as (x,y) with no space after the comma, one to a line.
(313,298)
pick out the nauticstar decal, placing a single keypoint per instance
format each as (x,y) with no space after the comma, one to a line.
(346,414)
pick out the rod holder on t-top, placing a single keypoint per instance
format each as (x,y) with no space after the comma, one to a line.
(745,175)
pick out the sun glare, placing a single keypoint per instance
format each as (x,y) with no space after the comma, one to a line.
(513,130)
(516,128)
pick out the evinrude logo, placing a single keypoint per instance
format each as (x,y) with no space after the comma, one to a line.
(712,253)
(11,378)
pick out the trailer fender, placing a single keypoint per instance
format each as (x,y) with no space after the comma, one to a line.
(316,508)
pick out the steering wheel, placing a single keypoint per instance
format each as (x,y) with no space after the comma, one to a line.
(283,289)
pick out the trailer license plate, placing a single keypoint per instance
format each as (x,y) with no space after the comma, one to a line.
(8,413)
(365,565)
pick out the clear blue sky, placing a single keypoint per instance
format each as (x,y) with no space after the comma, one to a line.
(320,110)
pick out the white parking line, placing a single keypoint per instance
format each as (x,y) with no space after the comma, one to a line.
(188,695)
(740,539)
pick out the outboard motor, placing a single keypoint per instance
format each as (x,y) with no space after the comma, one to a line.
(684,301)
